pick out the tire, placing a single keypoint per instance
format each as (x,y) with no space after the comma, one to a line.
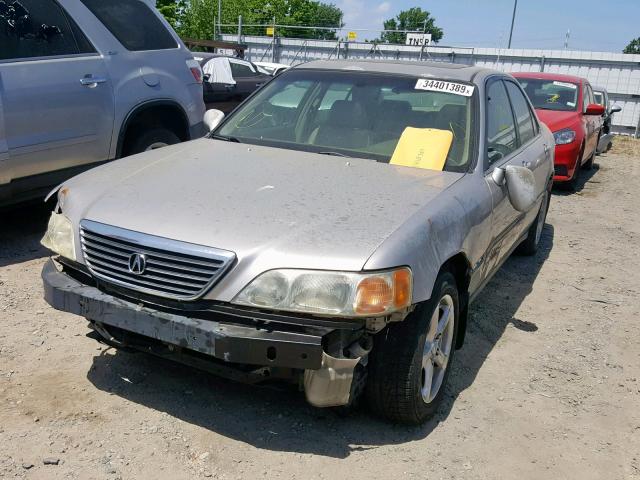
(152,139)
(588,165)
(572,185)
(529,246)
(396,387)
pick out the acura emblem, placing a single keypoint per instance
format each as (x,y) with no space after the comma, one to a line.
(137,263)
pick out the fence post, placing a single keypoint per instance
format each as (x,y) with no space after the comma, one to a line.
(542,60)
(273,52)
(240,29)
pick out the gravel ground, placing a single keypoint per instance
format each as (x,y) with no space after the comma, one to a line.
(547,386)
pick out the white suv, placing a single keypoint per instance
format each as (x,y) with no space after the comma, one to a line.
(87,81)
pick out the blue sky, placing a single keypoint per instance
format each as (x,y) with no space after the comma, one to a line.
(598,25)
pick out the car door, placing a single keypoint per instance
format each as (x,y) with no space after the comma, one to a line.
(58,99)
(248,80)
(533,149)
(592,123)
(4,149)
(501,151)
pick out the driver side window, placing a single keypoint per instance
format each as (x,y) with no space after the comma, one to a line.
(501,129)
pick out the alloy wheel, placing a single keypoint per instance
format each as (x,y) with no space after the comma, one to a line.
(437,348)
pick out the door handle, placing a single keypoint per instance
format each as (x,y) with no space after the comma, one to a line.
(91,81)
(526,163)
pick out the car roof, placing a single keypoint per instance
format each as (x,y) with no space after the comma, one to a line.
(550,76)
(209,56)
(270,64)
(454,71)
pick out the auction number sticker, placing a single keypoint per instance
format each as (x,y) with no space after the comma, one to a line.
(572,86)
(445,87)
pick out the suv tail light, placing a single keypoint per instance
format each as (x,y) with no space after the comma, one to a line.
(196,69)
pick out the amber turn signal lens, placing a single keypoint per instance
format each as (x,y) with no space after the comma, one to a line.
(384,293)
(401,288)
(374,295)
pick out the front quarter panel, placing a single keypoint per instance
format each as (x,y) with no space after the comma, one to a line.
(457,221)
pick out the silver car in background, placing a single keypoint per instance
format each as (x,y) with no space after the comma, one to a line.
(331,231)
(81,83)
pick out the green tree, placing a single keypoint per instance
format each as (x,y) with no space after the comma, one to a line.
(195,20)
(198,19)
(415,19)
(172,10)
(633,47)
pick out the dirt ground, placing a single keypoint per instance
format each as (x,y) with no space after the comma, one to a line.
(547,385)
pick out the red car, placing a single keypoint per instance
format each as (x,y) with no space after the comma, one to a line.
(567,106)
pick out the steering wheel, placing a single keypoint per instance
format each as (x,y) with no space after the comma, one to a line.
(499,149)
(259,115)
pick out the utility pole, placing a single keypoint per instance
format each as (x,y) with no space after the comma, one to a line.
(219,18)
(566,39)
(513,20)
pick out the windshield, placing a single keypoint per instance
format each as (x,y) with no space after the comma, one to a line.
(353,114)
(551,94)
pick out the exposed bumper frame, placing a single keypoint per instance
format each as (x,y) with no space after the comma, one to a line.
(327,379)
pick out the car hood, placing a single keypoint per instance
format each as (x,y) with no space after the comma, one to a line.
(557,120)
(273,207)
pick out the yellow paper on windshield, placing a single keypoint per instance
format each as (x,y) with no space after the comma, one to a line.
(423,148)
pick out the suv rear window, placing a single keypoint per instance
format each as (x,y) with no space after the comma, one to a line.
(133,23)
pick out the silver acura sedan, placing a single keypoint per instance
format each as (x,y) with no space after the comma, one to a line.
(332,231)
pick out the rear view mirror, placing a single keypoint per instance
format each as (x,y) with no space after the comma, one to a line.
(594,109)
(521,186)
(212,119)
(615,109)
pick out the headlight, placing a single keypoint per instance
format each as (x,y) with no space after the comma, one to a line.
(565,136)
(330,293)
(59,236)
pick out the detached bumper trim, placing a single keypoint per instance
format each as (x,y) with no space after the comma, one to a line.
(224,341)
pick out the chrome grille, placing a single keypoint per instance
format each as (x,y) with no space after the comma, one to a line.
(171,269)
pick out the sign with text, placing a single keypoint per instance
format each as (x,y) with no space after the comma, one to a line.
(270,31)
(418,39)
(352,36)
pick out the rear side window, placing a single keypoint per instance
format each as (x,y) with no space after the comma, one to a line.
(526,124)
(38,28)
(239,70)
(133,23)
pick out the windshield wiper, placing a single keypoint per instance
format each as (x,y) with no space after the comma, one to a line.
(334,154)
(225,138)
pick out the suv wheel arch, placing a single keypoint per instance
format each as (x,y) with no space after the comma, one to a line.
(151,115)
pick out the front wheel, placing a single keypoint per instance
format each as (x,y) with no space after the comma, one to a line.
(529,246)
(411,360)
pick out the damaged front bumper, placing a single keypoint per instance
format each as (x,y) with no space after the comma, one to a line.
(226,342)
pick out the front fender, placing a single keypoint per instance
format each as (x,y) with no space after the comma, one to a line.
(425,242)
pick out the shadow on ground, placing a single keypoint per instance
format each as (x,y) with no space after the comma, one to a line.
(277,418)
(21,229)
(586,175)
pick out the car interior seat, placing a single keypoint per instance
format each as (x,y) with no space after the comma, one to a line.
(346,126)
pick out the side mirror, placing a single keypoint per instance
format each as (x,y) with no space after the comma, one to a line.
(206,77)
(594,109)
(521,187)
(212,119)
(615,109)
